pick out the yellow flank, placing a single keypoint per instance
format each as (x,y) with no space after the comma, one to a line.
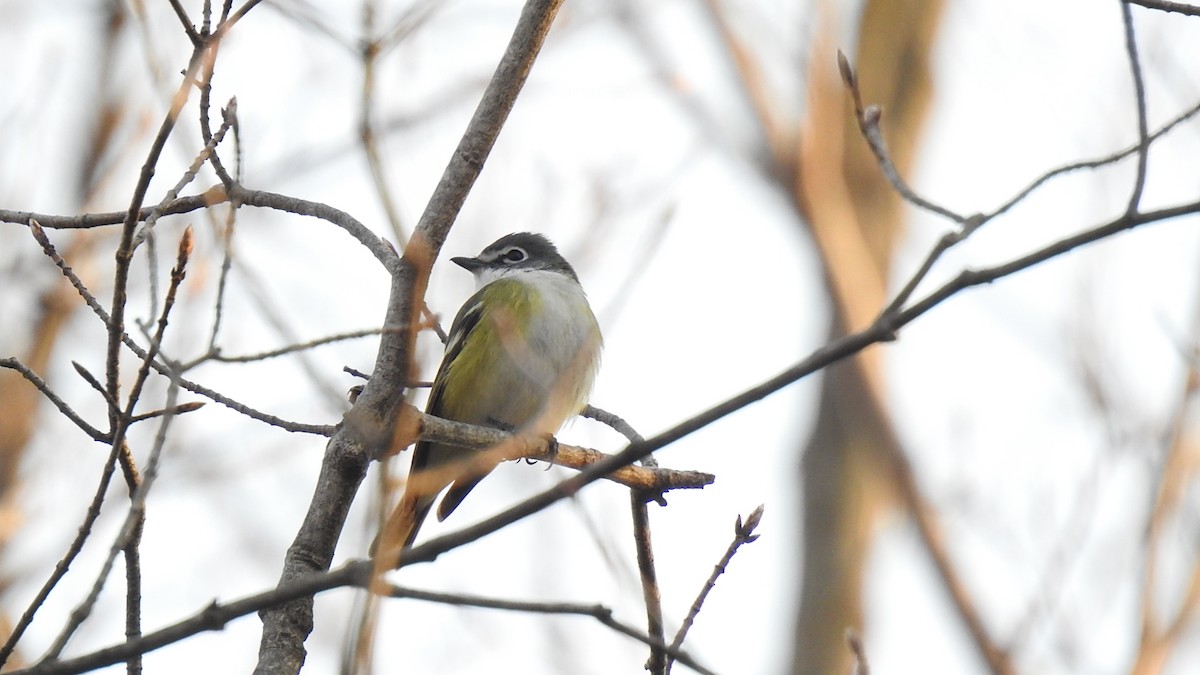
(476,372)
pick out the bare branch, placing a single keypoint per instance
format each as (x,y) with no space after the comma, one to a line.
(180,409)
(48,248)
(868,124)
(130,535)
(501,445)
(66,410)
(599,612)
(382,251)
(1167,6)
(60,569)
(743,533)
(651,595)
(214,354)
(1139,90)
(188,28)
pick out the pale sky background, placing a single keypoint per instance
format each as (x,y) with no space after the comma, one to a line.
(984,389)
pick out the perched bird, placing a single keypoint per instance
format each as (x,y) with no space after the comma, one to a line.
(521,356)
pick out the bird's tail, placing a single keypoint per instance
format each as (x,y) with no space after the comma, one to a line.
(402,526)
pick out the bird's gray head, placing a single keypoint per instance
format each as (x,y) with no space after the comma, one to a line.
(514,253)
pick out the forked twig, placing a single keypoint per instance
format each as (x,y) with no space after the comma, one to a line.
(287,425)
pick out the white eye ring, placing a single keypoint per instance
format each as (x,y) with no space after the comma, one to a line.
(513,255)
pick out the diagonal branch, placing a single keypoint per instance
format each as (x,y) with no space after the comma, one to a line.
(881,330)
(743,533)
(368,424)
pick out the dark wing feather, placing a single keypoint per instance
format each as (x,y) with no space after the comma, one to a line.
(415,509)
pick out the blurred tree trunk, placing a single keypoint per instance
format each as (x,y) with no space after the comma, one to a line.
(855,218)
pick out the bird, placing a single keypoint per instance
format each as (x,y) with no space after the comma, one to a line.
(522,355)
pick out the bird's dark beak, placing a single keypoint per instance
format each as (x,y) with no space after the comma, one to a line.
(469,264)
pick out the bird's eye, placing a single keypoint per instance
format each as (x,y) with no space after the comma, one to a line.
(513,255)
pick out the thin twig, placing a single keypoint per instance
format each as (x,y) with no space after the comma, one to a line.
(651,595)
(1139,90)
(116,327)
(98,386)
(188,28)
(945,243)
(1092,163)
(216,355)
(189,174)
(130,534)
(229,116)
(130,537)
(77,283)
(868,124)
(222,278)
(124,255)
(743,533)
(86,221)
(64,563)
(382,251)
(180,409)
(66,410)
(229,20)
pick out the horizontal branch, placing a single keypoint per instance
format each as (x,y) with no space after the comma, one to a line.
(599,612)
(649,482)
(378,247)
(1167,6)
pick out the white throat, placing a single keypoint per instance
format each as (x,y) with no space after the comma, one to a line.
(487,275)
